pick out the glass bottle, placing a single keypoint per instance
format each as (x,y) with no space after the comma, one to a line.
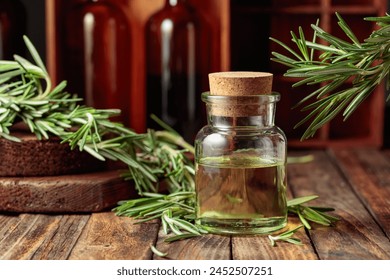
(96,55)
(241,166)
(176,66)
(12,28)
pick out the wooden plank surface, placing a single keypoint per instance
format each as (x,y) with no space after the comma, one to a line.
(63,239)
(259,248)
(356,235)
(205,247)
(354,182)
(368,172)
(108,237)
(39,236)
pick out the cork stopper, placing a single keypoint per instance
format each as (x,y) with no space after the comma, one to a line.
(241,91)
(240,83)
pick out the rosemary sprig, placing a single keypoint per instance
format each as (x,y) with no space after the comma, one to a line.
(361,64)
(286,237)
(26,96)
(177,213)
(314,214)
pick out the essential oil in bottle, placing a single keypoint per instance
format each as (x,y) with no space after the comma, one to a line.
(247,197)
(241,157)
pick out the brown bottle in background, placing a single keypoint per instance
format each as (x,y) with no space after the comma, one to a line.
(96,55)
(176,69)
(12,29)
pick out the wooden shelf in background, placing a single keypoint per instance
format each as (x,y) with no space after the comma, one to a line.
(365,126)
(251,51)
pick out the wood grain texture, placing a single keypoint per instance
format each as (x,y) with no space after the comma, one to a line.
(108,237)
(38,236)
(368,172)
(354,182)
(10,247)
(357,235)
(63,238)
(259,248)
(89,192)
(7,224)
(205,247)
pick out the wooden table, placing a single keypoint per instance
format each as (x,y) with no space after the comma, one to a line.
(355,182)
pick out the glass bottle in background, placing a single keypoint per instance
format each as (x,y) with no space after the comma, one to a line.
(176,67)
(12,28)
(96,55)
(241,157)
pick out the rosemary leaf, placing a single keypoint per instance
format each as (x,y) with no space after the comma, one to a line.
(303,220)
(34,54)
(286,237)
(180,237)
(301,200)
(157,252)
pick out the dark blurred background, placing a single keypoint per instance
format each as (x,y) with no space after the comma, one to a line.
(36,24)
(244,56)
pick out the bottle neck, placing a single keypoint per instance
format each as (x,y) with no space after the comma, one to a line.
(259,121)
(241,112)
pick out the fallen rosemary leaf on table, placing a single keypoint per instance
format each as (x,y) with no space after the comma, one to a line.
(299,159)
(177,214)
(157,252)
(286,237)
(314,214)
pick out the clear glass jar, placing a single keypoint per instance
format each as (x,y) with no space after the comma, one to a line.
(241,166)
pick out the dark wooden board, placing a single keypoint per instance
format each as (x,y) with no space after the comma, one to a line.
(108,237)
(356,235)
(47,157)
(90,192)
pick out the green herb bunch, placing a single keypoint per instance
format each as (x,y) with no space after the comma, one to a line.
(360,65)
(177,214)
(26,95)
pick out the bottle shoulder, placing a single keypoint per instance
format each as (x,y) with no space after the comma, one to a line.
(264,143)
